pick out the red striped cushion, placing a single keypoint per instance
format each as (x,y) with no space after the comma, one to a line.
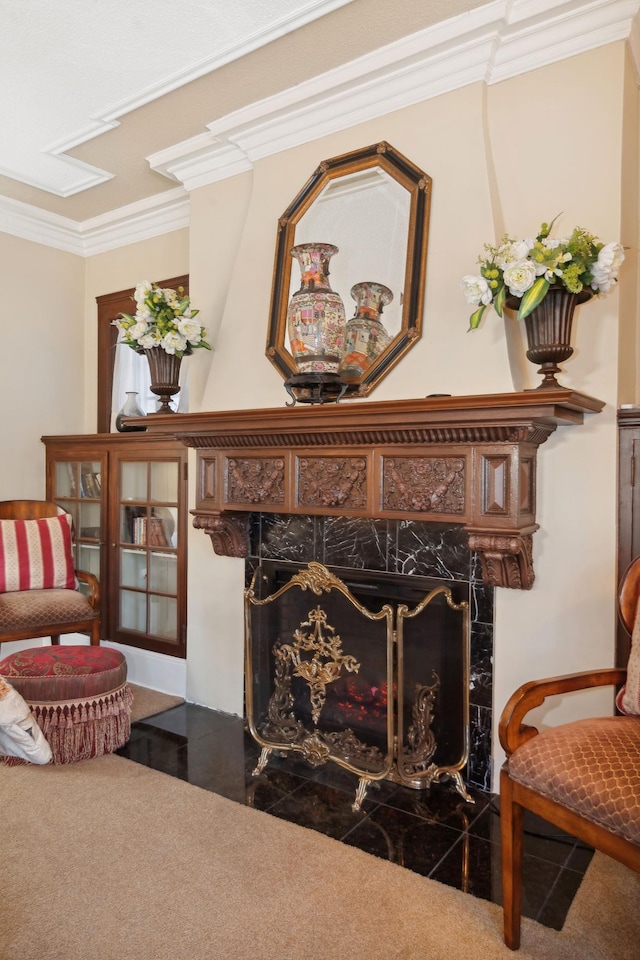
(36,554)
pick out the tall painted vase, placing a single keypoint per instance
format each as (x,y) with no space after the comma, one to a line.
(316,316)
(366,335)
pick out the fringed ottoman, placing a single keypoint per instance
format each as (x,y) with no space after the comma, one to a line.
(78,695)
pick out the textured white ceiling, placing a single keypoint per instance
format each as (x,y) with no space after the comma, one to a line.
(90,88)
(69,69)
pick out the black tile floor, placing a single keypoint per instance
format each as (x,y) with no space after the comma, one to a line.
(436,834)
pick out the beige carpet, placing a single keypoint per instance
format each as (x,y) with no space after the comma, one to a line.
(147,702)
(109,860)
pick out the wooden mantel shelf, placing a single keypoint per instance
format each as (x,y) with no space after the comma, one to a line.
(468,460)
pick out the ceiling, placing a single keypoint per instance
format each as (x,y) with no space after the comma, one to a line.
(113,108)
(92,88)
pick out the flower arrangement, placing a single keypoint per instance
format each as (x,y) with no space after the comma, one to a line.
(163,318)
(526,269)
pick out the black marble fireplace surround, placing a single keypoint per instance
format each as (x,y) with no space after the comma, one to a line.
(407,547)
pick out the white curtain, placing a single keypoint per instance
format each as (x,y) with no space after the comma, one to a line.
(131,372)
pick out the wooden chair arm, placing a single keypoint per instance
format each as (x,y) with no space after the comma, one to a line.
(93,584)
(513,732)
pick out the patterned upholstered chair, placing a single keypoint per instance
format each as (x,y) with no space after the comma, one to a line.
(583,777)
(78,693)
(27,610)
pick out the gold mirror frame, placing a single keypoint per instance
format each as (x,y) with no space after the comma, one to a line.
(418,186)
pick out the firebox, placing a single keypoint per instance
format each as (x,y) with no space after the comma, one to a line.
(365,671)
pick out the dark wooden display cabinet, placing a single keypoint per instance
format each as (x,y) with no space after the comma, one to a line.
(127,494)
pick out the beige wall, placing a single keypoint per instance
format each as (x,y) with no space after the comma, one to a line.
(41,360)
(557,140)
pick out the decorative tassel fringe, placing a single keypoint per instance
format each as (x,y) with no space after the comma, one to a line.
(86,729)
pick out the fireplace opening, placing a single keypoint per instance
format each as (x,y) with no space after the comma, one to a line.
(358,547)
(370,670)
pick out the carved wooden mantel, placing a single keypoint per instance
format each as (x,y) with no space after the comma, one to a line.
(469,460)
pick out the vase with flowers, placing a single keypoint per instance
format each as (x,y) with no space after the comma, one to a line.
(543,279)
(165,330)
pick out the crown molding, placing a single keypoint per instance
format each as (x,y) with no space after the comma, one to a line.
(497,41)
(493,43)
(151,217)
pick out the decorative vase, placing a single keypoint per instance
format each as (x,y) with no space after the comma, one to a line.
(366,336)
(316,317)
(130,408)
(165,373)
(548,329)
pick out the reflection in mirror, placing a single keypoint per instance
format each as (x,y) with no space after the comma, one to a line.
(373,205)
(366,215)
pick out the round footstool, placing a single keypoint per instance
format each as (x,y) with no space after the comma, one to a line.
(78,695)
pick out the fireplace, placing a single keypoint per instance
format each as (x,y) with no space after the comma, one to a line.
(440,487)
(394,563)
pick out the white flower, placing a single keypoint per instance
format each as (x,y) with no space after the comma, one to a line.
(163,319)
(512,252)
(519,277)
(148,341)
(142,291)
(476,289)
(605,269)
(173,343)
(171,297)
(555,270)
(189,329)
(137,330)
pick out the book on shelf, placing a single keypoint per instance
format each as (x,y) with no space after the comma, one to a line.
(140,531)
(90,485)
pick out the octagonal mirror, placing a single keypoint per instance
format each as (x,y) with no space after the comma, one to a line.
(373,205)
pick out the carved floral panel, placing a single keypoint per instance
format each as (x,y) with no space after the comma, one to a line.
(332,482)
(255,480)
(424,484)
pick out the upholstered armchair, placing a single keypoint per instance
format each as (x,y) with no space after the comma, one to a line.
(583,777)
(39,593)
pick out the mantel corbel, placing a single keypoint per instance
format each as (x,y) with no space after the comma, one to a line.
(229,532)
(506,559)
(467,460)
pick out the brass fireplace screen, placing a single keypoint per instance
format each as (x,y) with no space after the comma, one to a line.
(384,694)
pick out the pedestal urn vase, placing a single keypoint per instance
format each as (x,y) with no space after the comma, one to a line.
(165,374)
(548,329)
(316,316)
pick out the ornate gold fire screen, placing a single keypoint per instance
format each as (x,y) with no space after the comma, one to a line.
(383,694)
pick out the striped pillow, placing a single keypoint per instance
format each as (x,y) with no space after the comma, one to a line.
(36,554)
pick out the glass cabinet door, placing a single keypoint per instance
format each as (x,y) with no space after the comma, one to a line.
(148,530)
(77,489)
